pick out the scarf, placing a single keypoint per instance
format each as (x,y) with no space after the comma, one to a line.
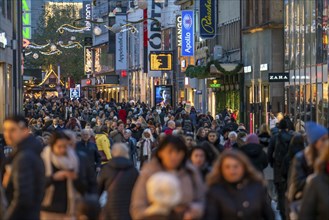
(147,149)
(68,162)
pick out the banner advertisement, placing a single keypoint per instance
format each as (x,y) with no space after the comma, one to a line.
(88,60)
(26,19)
(187,33)
(179,30)
(161,61)
(86,10)
(75,92)
(207,19)
(163,95)
(121,44)
(154,32)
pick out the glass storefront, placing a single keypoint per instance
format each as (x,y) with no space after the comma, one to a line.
(306,59)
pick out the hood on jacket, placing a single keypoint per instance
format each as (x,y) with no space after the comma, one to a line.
(120,163)
(30,143)
(253,150)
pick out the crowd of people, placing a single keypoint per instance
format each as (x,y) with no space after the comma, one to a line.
(88,159)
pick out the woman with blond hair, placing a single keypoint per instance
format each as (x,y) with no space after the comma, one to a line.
(264,135)
(316,202)
(236,190)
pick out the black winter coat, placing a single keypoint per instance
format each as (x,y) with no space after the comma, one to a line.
(87,176)
(26,186)
(316,204)
(245,201)
(264,139)
(277,151)
(90,149)
(118,178)
(256,155)
(300,170)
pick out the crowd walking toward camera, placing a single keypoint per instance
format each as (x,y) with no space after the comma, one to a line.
(87,159)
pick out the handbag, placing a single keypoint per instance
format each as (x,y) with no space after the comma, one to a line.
(103,156)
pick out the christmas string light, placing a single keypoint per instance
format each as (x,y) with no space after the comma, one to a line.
(49,53)
(71,28)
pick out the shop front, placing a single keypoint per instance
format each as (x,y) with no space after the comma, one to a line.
(108,87)
(306,60)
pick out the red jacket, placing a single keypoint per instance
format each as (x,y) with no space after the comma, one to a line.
(123,115)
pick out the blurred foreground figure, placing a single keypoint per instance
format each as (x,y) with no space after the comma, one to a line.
(163,191)
(236,190)
(171,156)
(316,203)
(24,178)
(118,178)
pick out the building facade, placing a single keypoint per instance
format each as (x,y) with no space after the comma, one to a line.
(262,54)
(10,58)
(306,59)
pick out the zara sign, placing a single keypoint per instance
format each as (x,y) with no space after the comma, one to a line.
(278,77)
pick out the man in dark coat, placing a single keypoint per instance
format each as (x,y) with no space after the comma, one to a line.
(25,182)
(254,151)
(118,178)
(90,149)
(277,151)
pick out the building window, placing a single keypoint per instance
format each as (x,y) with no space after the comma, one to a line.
(9,2)
(3,7)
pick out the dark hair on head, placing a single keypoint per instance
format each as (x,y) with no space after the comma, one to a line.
(283,125)
(18,119)
(198,147)
(176,142)
(120,123)
(296,145)
(212,132)
(216,174)
(104,129)
(57,135)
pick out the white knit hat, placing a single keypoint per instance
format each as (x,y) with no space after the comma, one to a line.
(163,190)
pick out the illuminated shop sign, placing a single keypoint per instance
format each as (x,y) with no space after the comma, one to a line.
(161,61)
(26,19)
(207,18)
(87,14)
(278,77)
(3,40)
(187,33)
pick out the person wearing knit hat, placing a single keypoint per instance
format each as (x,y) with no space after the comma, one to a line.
(254,151)
(304,162)
(314,132)
(252,139)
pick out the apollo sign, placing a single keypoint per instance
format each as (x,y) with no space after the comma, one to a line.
(278,77)
(187,33)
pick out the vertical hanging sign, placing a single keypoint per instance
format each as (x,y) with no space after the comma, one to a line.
(26,19)
(154,32)
(187,33)
(121,44)
(207,19)
(86,10)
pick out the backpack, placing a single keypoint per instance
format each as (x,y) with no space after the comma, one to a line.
(281,148)
(187,125)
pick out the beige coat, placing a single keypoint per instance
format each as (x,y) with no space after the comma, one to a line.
(192,188)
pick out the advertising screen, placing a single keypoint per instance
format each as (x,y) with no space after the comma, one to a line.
(163,95)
